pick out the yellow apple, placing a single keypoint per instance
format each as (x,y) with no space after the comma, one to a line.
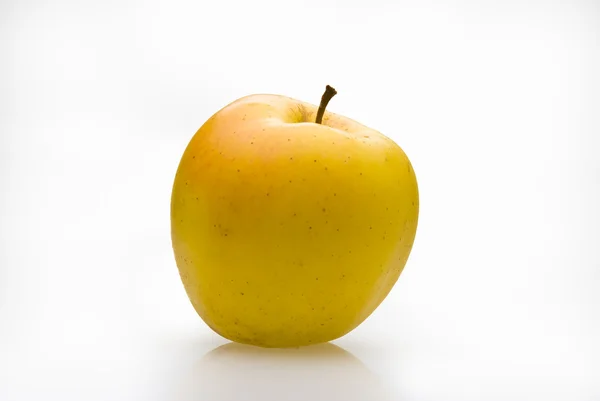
(289,228)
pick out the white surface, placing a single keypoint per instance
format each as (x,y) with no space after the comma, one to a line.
(496,103)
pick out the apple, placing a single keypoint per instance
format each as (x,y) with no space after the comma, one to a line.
(290,224)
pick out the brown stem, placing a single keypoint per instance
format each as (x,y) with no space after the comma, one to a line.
(329,93)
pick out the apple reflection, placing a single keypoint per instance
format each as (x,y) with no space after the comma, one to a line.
(235,372)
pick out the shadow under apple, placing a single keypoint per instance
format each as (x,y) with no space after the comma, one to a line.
(235,372)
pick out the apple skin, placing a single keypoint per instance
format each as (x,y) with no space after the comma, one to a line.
(286,232)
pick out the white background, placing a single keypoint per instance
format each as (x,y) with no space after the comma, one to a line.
(497,104)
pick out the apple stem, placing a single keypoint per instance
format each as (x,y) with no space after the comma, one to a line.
(329,93)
